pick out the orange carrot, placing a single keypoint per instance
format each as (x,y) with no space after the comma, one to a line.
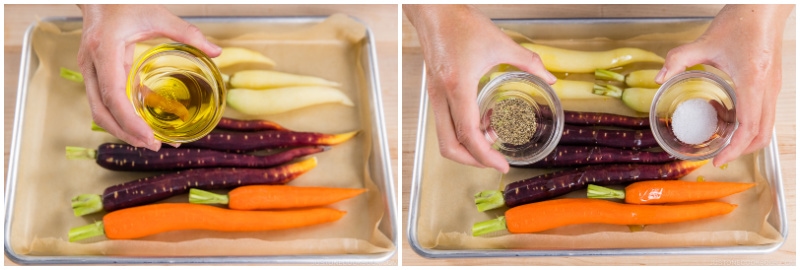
(659,191)
(141,221)
(260,197)
(541,216)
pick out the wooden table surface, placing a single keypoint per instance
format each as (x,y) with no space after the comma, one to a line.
(381,19)
(784,126)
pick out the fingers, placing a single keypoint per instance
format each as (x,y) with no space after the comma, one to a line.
(449,146)
(179,30)
(755,126)
(741,139)
(102,116)
(680,58)
(110,93)
(530,62)
(464,113)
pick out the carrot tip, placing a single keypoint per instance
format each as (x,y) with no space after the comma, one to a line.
(340,138)
(696,164)
(305,165)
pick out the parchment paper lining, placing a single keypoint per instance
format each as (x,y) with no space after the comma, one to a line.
(57,114)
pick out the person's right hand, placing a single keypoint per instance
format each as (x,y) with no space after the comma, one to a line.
(460,45)
(110,33)
(745,42)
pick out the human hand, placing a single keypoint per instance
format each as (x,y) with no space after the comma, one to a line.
(110,33)
(460,45)
(745,42)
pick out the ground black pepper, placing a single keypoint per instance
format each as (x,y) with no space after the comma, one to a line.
(514,121)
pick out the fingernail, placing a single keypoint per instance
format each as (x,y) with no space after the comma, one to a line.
(176,145)
(551,78)
(214,46)
(503,168)
(155,145)
(660,75)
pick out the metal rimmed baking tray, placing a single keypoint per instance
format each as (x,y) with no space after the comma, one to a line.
(606,32)
(377,166)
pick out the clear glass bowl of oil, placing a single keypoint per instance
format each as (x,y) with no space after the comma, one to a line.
(178,91)
(521,117)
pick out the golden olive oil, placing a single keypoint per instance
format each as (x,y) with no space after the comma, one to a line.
(175,100)
(178,91)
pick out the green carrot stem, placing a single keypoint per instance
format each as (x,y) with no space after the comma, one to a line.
(489,226)
(86,231)
(200,196)
(85,204)
(71,75)
(74,152)
(600,192)
(608,75)
(607,90)
(95,127)
(225,78)
(489,199)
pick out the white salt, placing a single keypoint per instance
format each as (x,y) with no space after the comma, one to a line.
(694,121)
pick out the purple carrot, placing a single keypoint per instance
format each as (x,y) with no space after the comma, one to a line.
(124,157)
(600,119)
(248,125)
(595,136)
(567,155)
(605,119)
(555,184)
(152,189)
(269,139)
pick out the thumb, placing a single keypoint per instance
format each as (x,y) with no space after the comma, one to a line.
(182,31)
(680,58)
(530,62)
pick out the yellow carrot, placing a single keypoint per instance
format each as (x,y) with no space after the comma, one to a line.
(564,60)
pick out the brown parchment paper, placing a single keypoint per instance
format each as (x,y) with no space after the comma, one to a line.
(57,114)
(447,211)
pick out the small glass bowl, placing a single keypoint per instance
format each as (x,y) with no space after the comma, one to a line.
(544,104)
(687,86)
(180,75)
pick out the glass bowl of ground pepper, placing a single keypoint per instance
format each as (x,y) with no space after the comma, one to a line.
(693,115)
(521,117)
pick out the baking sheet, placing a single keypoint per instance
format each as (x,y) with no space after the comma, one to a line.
(56,114)
(440,226)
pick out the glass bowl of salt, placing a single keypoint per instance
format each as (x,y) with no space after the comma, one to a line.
(521,117)
(693,115)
